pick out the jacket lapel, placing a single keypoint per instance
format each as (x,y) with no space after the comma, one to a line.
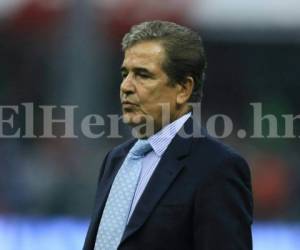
(105,186)
(170,165)
(111,169)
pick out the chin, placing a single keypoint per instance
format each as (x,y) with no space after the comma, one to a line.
(138,120)
(132,120)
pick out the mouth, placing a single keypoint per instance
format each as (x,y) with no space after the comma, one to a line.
(128,104)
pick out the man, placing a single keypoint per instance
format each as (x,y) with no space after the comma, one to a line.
(167,190)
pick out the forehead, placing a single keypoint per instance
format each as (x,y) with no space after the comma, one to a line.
(144,54)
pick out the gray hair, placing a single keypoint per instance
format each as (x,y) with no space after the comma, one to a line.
(185,54)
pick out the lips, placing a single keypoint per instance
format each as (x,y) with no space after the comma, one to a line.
(128,103)
(128,106)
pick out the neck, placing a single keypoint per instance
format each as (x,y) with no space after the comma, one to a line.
(146,130)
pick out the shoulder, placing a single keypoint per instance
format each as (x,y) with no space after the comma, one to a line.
(118,152)
(203,148)
(121,149)
(210,147)
(218,159)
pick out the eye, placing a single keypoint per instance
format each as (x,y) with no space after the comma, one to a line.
(124,74)
(143,75)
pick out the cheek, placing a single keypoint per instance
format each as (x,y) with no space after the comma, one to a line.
(152,100)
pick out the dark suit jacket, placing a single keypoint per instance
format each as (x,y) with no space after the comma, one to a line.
(199,197)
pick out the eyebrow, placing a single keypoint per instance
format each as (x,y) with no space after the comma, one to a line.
(137,70)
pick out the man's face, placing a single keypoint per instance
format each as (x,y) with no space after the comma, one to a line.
(145,85)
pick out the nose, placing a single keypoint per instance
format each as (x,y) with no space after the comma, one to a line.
(127,85)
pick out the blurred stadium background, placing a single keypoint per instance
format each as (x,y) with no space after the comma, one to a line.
(66,52)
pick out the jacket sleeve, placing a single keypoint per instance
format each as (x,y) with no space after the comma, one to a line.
(223,208)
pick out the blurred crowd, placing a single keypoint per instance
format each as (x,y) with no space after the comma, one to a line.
(68,53)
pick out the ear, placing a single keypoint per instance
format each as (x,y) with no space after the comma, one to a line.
(184,90)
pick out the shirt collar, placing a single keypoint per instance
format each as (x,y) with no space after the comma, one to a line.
(161,140)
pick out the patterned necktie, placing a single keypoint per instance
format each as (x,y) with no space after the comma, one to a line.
(118,204)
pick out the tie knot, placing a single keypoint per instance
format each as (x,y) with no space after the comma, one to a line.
(140,148)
